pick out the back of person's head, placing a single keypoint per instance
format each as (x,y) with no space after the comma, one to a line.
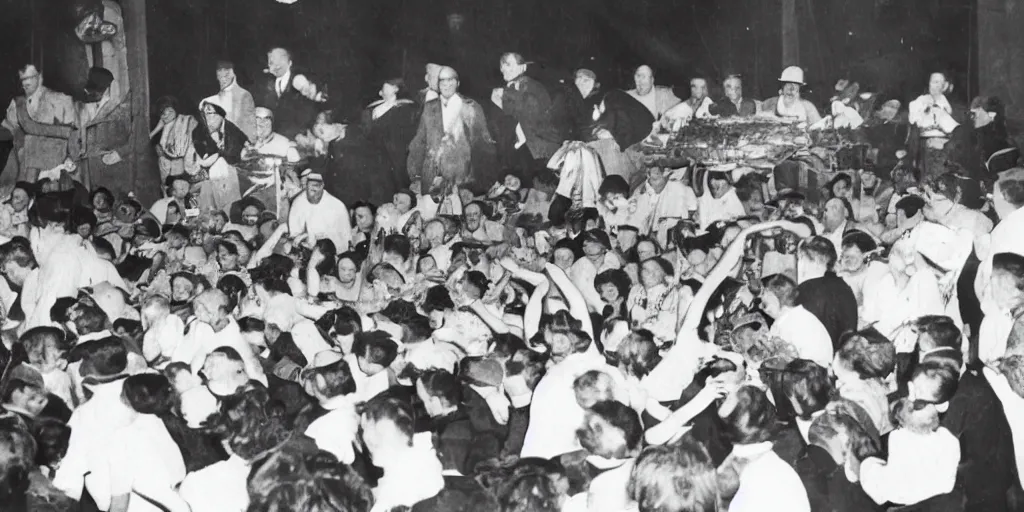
(938,331)
(1011,265)
(387,409)
(234,288)
(60,312)
(343,321)
(149,393)
(910,205)
(529,491)
(674,478)
(595,386)
(613,184)
(819,250)
(861,240)
(52,437)
(753,419)
(50,209)
(934,381)
(782,287)
(334,379)
(611,430)
(248,424)
(916,416)
(105,357)
(416,329)
(807,386)
(840,433)
(398,245)
(638,354)
(251,324)
(376,347)
(1011,186)
(19,252)
(441,385)
(868,353)
(299,476)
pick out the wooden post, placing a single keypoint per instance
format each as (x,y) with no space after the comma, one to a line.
(790,34)
(145,178)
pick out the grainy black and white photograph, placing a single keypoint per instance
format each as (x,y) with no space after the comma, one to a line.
(511,256)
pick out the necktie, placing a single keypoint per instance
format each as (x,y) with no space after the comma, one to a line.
(280,87)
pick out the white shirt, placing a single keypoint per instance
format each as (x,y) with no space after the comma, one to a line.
(87,461)
(145,461)
(327,219)
(221,487)
(993,335)
(201,340)
(164,336)
(667,380)
(282,82)
(890,307)
(767,483)
(159,209)
(805,332)
(711,210)
(554,413)
(676,201)
(450,110)
(275,145)
(336,432)
(367,386)
(920,466)
(1005,237)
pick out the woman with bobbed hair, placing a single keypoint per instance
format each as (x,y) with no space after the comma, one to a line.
(299,476)
(863,362)
(674,478)
(762,481)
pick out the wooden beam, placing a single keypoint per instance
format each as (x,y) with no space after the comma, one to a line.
(790,34)
(145,177)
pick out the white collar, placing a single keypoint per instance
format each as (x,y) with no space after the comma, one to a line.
(600,462)
(36,95)
(337,402)
(230,87)
(751,451)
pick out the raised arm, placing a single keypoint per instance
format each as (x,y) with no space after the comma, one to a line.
(573,298)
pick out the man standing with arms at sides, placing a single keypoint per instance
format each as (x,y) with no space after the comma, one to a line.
(238,102)
(40,121)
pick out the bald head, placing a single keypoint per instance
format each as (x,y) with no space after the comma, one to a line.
(643,77)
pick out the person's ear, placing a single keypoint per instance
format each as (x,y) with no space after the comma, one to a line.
(943,407)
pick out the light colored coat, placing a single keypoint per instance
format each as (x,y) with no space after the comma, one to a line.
(36,151)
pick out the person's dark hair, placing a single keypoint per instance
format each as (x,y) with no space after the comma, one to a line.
(747,186)
(251,324)
(81,216)
(299,476)
(376,347)
(442,385)
(90,319)
(52,437)
(60,312)
(235,289)
(17,462)
(355,257)
(861,240)
(329,266)
(622,418)
(478,280)
(104,192)
(29,189)
(807,386)
(910,205)
(841,177)
(416,329)
(18,251)
(438,299)
(613,184)
(248,424)
(103,247)
(386,407)
(337,379)
(819,249)
(782,287)
(946,184)
(941,329)
(936,381)
(363,204)
(149,393)
(342,321)
(1013,265)
(525,487)
(274,286)
(398,245)
(1011,186)
(868,353)
(275,266)
(639,354)
(101,358)
(674,478)
(753,420)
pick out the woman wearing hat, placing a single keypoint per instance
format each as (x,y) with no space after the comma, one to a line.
(216,148)
(173,136)
(788,104)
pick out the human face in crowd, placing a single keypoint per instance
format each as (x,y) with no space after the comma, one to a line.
(510,68)
(889,110)
(314,191)
(19,200)
(982,118)
(852,260)
(473,217)
(733,89)
(594,251)
(179,189)
(101,203)
(835,214)
(791,91)
(564,258)
(347,271)
(1004,290)
(279,62)
(228,262)
(447,83)
(646,250)
(31,80)
(657,178)
(644,80)
(213,119)
(842,188)
(217,223)
(585,85)
(718,186)
(609,293)
(388,92)
(264,126)
(84,231)
(868,179)
(181,289)
(250,215)
(698,88)
(651,274)
(225,77)
(31,400)
(402,202)
(364,219)
(217,368)
(937,84)
(168,115)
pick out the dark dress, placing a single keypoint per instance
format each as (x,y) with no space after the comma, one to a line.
(832,301)
(828,488)
(354,170)
(390,135)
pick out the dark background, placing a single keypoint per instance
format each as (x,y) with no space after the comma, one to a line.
(352,45)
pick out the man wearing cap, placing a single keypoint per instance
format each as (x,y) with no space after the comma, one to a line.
(319,214)
(264,142)
(657,99)
(788,104)
(40,121)
(102,142)
(237,102)
(217,146)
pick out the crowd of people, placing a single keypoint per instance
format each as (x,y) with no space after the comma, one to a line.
(501,305)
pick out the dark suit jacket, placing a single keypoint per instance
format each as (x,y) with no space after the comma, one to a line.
(430,133)
(529,103)
(293,112)
(827,487)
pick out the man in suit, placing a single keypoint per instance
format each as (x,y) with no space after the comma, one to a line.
(238,102)
(293,112)
(102,142)
(528,102)
(452,145)
(40,121)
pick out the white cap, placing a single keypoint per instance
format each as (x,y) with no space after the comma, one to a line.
(793,74)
